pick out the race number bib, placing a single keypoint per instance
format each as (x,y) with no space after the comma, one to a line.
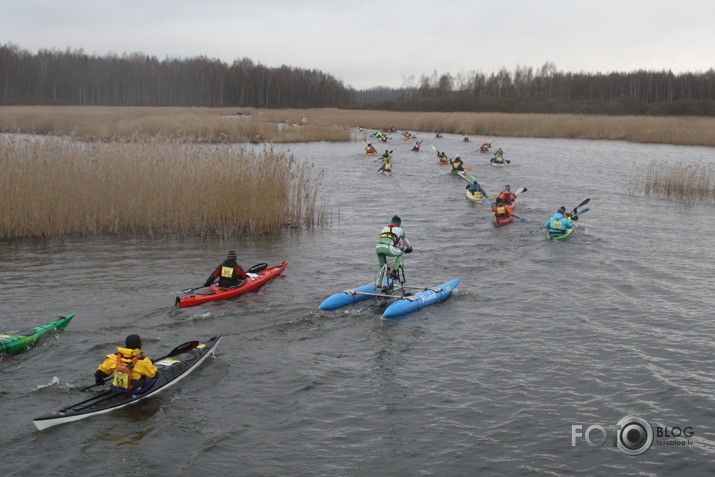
(121,380)
(226,272)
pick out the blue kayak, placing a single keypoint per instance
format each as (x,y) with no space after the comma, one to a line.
(419,300)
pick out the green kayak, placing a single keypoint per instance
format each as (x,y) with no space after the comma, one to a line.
(17,341)
(560,236)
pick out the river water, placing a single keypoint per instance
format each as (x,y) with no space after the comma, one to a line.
(540,338)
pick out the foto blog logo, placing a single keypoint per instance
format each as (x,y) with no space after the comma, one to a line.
(633,435)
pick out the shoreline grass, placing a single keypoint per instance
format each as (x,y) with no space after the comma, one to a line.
(250,125)
(686,182)
(52,188)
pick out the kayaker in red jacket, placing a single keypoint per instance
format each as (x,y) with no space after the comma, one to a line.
(129,365)
(506,197)
(229,273)
(502,210)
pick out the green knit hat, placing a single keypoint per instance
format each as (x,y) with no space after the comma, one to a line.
(396,220)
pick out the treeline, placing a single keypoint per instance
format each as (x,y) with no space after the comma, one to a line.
(72,77)
(546,90)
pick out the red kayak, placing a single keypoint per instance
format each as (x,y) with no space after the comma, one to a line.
(223,293)
(501,221)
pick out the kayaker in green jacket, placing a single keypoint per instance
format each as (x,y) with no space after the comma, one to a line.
(129,365)
(392,243)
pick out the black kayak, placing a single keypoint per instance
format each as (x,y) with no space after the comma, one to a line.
(170,371)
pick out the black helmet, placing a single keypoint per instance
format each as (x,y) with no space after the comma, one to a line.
(133,342)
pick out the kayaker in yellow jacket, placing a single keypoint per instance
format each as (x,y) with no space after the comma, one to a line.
(129,365)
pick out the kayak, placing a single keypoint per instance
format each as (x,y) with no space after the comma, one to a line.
(501,221)
(17,341)
(478,197)
(419,300)
(224,293)
(498,164)
(442,163)
(560,236)
(170,371)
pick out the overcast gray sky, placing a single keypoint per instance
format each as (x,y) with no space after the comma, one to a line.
(383,42)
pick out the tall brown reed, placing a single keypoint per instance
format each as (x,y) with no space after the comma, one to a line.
(55,188)
(202,125)
(683,181)
(232,125)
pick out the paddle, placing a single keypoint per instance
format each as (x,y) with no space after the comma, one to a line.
(259,267)
(182,348)
(575,211)
(580,213)
(522,220)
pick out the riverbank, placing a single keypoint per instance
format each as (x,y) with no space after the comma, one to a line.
(249,125)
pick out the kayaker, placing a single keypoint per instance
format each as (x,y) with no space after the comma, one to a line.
(438,135)
(442,157)
(502,211)
(229,273)
(559,223)
(457,164)
(484,147)
(506,197)
(498,157)
(370,149)
(130,367)
(386,167)
(416,146)
(392,243)
(474,187)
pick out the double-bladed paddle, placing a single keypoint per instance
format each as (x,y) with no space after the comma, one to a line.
(575,209)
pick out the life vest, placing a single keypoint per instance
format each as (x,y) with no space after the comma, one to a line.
(501,211)
(228,276)
(506,197)
(123,372)
(387,233)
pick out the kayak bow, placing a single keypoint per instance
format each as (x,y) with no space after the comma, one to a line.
(17,341)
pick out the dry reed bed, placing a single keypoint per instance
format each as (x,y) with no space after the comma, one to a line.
(202,125)
(687,182)
(55,188)
(692,130)
(221,125)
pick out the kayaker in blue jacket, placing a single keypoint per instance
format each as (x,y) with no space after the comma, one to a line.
(392,243)
(229,273)
(129,365)
(474,187)
(559,223)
